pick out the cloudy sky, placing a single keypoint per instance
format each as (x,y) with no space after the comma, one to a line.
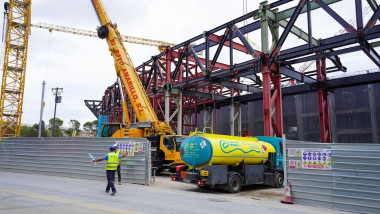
(83,67)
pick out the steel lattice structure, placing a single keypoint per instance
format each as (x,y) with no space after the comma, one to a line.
(130,39)
(179,78)
(15,57)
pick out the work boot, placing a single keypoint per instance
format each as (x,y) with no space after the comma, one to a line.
(107,191)
(119,182)
(113,193)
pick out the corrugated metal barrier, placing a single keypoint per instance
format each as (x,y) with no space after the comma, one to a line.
(69,157)
(337,176)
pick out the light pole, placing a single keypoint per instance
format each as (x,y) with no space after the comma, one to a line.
(57,92)
(42,109)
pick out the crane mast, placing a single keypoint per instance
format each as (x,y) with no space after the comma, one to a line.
(128,75)
(14,67)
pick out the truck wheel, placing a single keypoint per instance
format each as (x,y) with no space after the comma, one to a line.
(278,180)
(234,184)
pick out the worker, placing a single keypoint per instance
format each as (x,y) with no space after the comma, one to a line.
(118,166)
(112,161)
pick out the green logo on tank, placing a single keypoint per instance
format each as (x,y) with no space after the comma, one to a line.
(245,147)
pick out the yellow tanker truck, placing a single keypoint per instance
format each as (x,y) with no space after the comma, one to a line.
(213,160)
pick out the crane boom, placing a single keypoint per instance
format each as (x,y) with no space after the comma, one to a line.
(127,73)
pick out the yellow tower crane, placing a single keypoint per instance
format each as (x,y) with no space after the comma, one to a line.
(14,67)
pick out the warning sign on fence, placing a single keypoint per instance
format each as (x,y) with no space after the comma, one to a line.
(310,158)
(313,158)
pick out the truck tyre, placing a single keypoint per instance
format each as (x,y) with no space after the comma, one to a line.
(234,184)
(278,180)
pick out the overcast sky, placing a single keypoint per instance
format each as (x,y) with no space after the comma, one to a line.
(83,67)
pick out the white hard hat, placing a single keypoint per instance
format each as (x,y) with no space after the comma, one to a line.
(115,145)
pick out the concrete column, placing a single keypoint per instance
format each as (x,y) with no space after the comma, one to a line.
(204,116)
(299,116)
(239,119)
(212,118)
(332,110)
(232,118)
(167,106)
(179,114)
(372,108)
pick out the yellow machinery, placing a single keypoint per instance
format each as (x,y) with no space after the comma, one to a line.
(15,56)
(165,145)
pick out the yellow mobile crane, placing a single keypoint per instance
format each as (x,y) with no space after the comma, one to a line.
(165,146)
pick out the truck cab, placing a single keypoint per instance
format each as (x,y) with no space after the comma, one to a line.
(112,130)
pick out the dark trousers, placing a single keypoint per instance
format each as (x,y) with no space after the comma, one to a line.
(118,173)
(110,178)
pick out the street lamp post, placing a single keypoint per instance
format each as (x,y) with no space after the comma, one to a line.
(57,92)
(42,109)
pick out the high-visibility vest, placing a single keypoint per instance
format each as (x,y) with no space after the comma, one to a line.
(113,161)
(118,152)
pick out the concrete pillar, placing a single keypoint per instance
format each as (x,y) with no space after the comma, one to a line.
(372,108)
(179,114)
(239,119)
(167,106)
(332,110)
(232,118)
(299,116)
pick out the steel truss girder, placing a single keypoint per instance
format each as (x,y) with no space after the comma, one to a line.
(94,106)
(329,85)
(205,88)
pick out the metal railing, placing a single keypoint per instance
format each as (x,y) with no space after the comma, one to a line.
(69,157)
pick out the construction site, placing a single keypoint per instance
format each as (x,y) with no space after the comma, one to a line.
(279,99)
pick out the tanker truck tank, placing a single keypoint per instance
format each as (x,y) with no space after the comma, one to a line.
(213,160)
(202,149)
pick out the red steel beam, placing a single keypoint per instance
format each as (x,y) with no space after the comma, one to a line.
(324,117)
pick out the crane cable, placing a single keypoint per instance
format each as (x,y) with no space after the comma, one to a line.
(48,57)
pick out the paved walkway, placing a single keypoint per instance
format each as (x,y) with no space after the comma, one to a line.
(25,193)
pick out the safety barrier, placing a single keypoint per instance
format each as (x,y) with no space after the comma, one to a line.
(337,176)
(69,157)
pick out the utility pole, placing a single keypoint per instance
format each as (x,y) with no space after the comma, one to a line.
(57,92)
(42,108)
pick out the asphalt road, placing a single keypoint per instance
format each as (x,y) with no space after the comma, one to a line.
(26,193)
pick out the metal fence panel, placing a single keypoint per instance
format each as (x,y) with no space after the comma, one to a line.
(308,186)
(69,157)
(351,184)
(356,174)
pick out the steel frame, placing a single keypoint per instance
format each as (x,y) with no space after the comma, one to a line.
(14,68)
(207,83)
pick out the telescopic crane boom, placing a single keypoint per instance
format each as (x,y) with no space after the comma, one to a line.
(165,146)
(128,75)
